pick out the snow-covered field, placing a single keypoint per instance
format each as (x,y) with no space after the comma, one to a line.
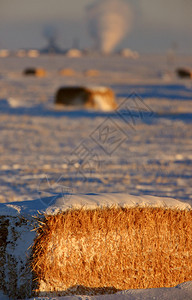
(151,152)
(144,147)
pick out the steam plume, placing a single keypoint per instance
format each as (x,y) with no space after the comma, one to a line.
(109,21)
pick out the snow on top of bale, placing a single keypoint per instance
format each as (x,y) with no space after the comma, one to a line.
(101,89)
(64,202)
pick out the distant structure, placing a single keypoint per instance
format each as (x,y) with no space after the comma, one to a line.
(50,34)
(52,48)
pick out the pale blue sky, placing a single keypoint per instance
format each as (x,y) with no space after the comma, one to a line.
(156,24)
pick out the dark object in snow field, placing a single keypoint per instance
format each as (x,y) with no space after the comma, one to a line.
(39,72)
(184,73)
(100,98)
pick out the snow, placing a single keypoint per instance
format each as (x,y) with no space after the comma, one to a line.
(63,202)
(19,240)
(3,296)
(153,159)
(102,103)
(97,88)
(180,292)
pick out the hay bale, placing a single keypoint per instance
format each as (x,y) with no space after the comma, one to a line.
(131,248)
(184,73)
(39,72)
(92,73)
(73,53)
(101,98)
(94,244)
(129,53)
(67,72)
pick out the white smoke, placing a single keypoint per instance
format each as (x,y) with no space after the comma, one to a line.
(109,21)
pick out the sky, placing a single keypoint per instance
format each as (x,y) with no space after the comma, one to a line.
(156,25)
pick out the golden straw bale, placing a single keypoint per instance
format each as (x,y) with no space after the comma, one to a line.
(112,248)
(40,72)
(98,251)
(92,73)
(67,72)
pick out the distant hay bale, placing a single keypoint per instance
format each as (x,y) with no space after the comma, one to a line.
(92,73)
(29,71)
(67,72)
(4,53)
(33,53)
(184,73)
(101,98)
(73,53)
(129,53)
(39,72)
(91,250)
